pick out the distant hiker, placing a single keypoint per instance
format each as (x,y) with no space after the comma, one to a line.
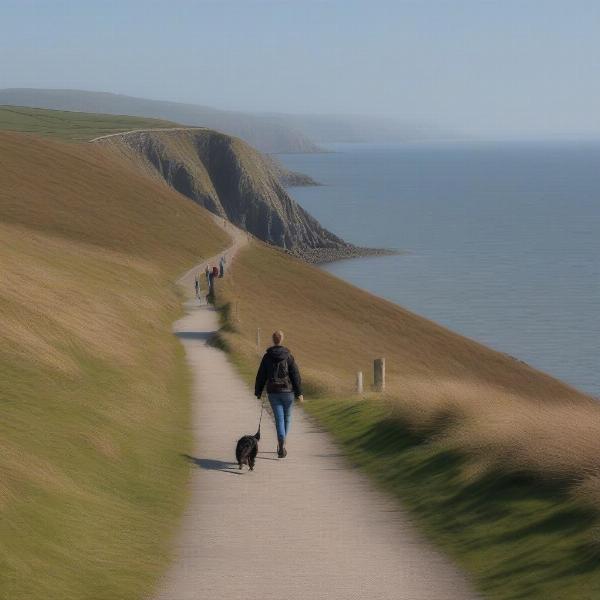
(197,286)
(207,273)
(222,266)
(279,371)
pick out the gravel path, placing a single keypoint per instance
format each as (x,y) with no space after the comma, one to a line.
(307,527)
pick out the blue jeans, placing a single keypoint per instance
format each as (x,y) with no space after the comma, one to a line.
(281,403)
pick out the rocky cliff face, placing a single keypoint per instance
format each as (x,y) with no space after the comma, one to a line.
(234,181)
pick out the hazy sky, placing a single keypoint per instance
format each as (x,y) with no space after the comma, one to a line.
(508,67)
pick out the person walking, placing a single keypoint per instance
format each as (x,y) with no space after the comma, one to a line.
(279,371)
(222,266)
(197,285)
(211,277)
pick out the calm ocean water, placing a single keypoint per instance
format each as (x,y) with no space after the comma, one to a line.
(503,240)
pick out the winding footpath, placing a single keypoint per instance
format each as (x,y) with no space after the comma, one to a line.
(309,527)
(146,130)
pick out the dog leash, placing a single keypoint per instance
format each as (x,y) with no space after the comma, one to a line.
(262,407)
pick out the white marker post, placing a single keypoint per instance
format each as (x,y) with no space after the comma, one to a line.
(359,382)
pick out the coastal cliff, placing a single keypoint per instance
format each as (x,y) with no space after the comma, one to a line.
(233,181)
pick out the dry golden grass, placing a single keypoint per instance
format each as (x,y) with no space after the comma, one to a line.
(498,410)
(499,463)
(55,301)
(84,192)
(338,329)
(558,440)
(92,382)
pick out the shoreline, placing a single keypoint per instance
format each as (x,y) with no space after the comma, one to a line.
(320,256)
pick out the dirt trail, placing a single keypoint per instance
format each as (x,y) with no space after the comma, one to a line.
(308,527)
(152,130)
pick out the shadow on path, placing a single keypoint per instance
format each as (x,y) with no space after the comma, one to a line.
(211,464)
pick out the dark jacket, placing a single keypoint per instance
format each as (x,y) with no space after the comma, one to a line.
(272,357)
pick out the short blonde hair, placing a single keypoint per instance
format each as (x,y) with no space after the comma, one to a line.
(277,337)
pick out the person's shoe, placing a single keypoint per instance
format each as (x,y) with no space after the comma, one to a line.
(283,450)
(281,453)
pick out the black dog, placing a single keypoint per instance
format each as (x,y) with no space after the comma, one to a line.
(247,449)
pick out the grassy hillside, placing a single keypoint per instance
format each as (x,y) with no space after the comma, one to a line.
(93,385)
(75,126)
(499,462)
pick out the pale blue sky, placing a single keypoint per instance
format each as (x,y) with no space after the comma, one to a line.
(501,68)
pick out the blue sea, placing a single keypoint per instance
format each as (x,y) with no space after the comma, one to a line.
(502,240)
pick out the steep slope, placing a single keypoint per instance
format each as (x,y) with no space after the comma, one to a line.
(93,384)
(234,181)
(321,308)
(263,132)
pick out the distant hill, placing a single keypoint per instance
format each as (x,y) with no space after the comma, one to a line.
(265,132)
(268,132)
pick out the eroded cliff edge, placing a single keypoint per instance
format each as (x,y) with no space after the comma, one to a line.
(235,181)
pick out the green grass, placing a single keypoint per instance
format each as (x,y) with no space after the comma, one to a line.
(488,475)
(518,536)
(94,388)
(73,126)
(95,397)
(92,473)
